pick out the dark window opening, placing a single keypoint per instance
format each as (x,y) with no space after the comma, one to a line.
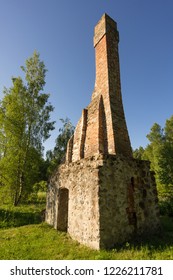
(62,215)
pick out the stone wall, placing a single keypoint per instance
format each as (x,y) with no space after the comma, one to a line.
(128,201)
(82,181)
(110,200)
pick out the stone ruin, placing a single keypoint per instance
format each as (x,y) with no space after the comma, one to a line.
(101,195)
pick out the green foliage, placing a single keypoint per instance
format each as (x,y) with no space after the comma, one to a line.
(166,201)
(160,154)
(166,206)
(40,186)
(152,151)
(57,156)
(38,193)
(138,153)
(24,125)
(166,156)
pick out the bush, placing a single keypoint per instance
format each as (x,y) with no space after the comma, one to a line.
(40,187)
(166,206)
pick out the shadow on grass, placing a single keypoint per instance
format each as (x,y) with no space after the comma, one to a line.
(17,217)
(158,242)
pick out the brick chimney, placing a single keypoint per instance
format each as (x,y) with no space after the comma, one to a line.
(108,84)
(102,128)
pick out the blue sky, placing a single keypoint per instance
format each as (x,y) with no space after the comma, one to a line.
(62,32)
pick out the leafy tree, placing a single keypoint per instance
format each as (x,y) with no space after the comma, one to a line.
(166,156)
(152,151)
(24,125)
(138,153)
(160,154)
(166,165)
(57,156)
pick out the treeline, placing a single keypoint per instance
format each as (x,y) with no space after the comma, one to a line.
(25,123)
(159,152)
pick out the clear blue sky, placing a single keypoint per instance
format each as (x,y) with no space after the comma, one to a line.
(62,32)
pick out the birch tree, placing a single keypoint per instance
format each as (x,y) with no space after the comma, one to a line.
(24,126)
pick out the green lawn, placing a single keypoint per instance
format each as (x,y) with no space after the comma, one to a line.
(40,241)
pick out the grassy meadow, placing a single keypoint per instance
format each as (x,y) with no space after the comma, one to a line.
(24,236)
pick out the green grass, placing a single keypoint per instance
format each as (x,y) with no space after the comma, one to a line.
(40,241)
(43,242)
(11,216)
(24,237)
